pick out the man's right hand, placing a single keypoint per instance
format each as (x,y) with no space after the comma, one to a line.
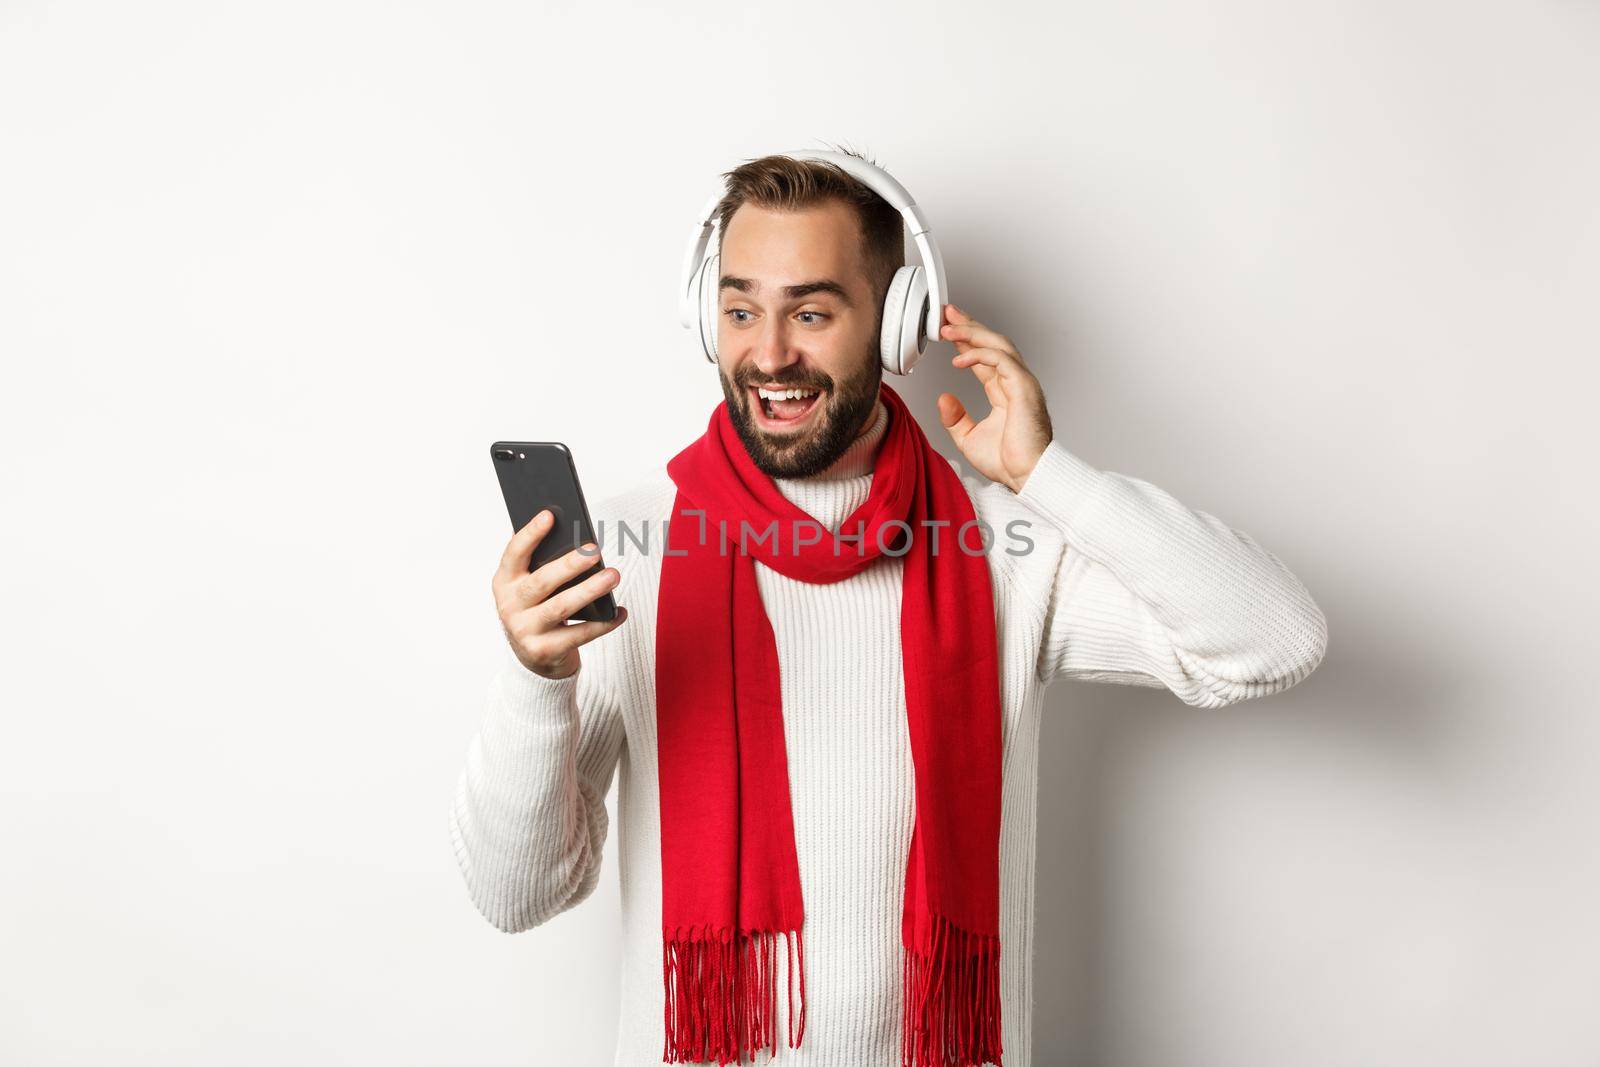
(535,622)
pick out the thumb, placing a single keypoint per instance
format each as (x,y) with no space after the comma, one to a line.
(954,416)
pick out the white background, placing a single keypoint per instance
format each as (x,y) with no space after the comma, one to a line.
(273,276)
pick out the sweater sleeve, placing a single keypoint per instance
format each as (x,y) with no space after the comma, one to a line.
(529,817)
(1151,592)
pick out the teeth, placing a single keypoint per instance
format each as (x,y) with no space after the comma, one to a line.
(784,394)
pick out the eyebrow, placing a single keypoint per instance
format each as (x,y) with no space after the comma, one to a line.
(793,292)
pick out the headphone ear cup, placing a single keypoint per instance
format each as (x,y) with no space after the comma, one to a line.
(905,309)
(706,321)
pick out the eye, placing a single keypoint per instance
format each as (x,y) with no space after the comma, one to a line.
(736,311)
(819,314)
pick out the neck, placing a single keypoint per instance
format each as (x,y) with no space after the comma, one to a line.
(857,458)
(838,489)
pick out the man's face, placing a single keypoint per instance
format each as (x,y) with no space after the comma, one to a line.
(796,311)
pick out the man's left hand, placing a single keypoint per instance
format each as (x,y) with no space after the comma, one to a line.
(1011,438)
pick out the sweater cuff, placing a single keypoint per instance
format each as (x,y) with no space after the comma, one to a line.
(1061,485)
(527,693)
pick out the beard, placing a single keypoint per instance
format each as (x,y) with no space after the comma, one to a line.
(845,406)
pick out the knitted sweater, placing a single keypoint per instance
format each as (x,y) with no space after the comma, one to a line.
(1122,583)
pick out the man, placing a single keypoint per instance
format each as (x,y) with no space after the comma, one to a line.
(841,682)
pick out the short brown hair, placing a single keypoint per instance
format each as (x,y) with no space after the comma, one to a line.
(783,183)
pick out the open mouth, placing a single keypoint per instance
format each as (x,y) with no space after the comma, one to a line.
(783,410)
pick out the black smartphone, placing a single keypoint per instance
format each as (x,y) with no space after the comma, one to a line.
(535,475)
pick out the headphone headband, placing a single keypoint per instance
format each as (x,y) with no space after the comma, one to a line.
(875,178)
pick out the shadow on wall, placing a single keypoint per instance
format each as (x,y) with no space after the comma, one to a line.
(1380,697)
(1393,713)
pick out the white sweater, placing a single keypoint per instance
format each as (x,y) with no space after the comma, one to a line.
(1123,584)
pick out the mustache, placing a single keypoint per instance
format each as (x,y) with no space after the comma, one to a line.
(748,380)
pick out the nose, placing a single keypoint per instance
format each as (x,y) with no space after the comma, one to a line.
(772,352)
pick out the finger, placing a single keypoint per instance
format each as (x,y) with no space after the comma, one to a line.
(1005,380)
(977,335)
(955,318)
(1005,364)
(533,588)
(519,550)
(958,323)
(561,607)
(1004,377)
(571,636)
(954,416)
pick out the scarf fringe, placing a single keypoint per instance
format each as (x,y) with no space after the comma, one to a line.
(722,992)
(952,1000)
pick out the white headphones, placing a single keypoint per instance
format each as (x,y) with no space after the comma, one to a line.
(913,308)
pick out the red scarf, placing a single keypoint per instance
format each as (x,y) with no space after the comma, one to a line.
(730,875)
